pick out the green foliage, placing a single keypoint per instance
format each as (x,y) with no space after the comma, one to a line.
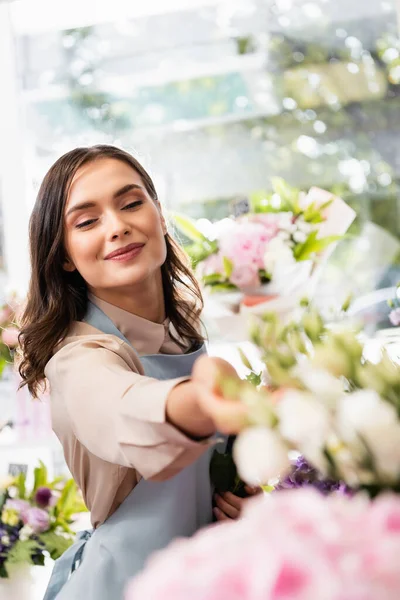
(21,552)
(313,245)
(55,544)
(188,227)
(59,535)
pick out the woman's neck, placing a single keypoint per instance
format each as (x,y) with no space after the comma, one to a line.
(146,300)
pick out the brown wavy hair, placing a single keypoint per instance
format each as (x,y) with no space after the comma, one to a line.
(56,297)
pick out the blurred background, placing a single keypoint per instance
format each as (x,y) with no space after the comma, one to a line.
(214,97)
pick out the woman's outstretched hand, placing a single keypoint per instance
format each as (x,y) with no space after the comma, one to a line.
(198,408)
(229,416)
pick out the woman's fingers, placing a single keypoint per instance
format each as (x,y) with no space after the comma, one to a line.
(229,416)
(219,515)
(229,504)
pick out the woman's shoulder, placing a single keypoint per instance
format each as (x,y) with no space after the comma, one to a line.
(86,344)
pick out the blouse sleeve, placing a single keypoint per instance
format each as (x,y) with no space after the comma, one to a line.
(117,413)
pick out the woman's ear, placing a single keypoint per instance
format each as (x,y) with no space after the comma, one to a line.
(69,266)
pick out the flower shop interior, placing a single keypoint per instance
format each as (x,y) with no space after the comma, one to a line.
(271,130)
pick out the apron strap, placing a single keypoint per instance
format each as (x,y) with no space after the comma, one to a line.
(66,565)
(98,319)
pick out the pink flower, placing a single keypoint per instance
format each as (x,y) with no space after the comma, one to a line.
(9,336)
(270,221)
(245,244)
(245,276)
(37,518)
(21,506)
(293,545)
(212,264)
(394,317)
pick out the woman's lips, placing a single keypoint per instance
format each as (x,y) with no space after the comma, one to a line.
(126,253)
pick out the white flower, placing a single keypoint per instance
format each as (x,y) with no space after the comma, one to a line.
(278,256)
(260,455)
(302,419)
(25,533)
(286,221)
(299,237)
(5,540)
(320,382)
(304,226)
(364,419)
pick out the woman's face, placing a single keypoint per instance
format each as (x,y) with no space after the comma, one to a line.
(114,231)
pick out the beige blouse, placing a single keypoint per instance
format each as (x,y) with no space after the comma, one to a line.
(109,417)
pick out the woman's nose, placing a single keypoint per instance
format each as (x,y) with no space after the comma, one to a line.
(118,227)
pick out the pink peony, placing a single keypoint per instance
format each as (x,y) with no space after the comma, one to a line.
(295,545)
(37,518)
(245,244)
(270,221)
(9,336)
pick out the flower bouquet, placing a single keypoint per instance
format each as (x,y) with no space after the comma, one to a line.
(35,523)
(269,254)
(325,401)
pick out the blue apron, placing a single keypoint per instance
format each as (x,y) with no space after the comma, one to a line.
(99,565)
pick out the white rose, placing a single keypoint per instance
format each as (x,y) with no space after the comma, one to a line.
(260,455)
(302,419)
(364,416)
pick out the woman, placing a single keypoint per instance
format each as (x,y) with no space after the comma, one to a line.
(112,323)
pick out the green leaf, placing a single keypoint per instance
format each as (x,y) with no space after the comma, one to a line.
(223,287)
(21,485)
(254,378)
(228,267)
(55,544)
(21,552)
(222,471)
(40,477)
(188,227)
(244,359)
(213,278)
(313,245)
(199,251)
(289,195)
(67,498)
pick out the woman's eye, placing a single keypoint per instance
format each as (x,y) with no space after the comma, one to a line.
(133,204)
(85,223)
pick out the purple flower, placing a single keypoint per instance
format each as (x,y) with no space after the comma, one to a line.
(37,518)
(43,497)
(303,474)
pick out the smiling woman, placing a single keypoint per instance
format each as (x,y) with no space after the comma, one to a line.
(112,323)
